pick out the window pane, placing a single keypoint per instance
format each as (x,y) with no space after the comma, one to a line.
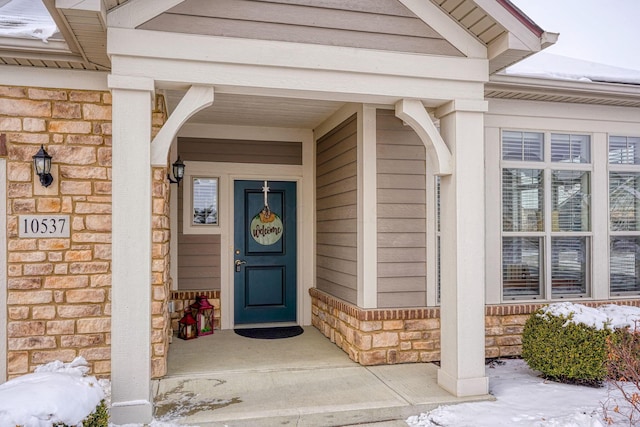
(624,268)
(570,197)
(566,148)
(205,201)
(624,201)
(521,266)
(568,265)
(523,146)
(522,199)
(624,150)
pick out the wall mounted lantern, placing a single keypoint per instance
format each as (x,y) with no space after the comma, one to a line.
(178,172)
(42,165)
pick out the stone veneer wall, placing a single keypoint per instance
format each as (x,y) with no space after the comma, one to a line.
(58,290)
(160,256)
(389,336)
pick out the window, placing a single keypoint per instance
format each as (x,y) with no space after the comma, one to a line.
(546,226)
(624,215)
(205,201)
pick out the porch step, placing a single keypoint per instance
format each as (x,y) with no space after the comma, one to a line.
(382,396)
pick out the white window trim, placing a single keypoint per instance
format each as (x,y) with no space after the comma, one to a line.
(187,206)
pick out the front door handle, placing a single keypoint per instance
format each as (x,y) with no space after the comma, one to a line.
(239,262)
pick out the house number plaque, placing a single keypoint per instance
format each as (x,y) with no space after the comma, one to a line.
(43,226)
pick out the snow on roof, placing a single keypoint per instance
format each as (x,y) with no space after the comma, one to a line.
(26,19)
(550,66)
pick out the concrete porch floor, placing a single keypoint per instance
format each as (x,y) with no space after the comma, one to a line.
(228,380)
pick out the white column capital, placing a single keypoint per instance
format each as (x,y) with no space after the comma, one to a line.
(115,81)
(468,105)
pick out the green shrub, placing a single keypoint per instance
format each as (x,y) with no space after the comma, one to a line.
(98,418)
(565,351)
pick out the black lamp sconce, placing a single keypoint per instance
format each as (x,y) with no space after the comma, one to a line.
(178,172)
(42,165)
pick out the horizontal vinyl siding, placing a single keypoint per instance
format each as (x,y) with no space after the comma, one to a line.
(240,151)
(198,257)
(336,212)
(402,211)
(199,254)
(370,24)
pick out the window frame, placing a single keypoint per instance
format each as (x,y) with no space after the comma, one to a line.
(188,225)
(622,167)
(545,290)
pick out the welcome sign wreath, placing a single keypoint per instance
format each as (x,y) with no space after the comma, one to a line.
(266,226)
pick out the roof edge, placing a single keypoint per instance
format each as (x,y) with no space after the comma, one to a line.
(522,17)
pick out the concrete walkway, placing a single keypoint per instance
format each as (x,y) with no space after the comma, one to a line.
(228,380)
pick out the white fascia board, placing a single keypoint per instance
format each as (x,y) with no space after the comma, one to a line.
(14,75)
(188,47)
(504,43)
(136,12)
(88,5)
(298,83)
(511,24)
(448,28)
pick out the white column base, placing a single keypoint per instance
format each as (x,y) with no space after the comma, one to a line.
(463,387)
(124,412)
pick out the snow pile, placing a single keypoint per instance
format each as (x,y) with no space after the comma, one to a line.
(26,19)
(55,393)
(608,316)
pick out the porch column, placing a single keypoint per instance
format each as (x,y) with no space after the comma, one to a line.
(462,298)
(131,247)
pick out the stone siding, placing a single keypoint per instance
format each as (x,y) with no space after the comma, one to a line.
(58,289)
(389,336)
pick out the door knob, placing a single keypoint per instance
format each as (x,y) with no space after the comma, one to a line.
(239,262)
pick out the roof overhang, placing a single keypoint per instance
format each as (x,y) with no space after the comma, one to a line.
(554,90)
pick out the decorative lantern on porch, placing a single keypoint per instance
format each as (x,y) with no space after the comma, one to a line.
(187,326)
(204,315)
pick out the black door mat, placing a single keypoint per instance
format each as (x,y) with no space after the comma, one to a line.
(270,333)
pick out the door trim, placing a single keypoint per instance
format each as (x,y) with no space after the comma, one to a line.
(305,200)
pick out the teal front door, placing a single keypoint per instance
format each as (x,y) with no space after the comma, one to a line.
(265,252)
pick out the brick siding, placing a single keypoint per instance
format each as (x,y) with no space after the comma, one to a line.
(183,299)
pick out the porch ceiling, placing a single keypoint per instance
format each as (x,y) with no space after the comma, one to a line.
(248,110)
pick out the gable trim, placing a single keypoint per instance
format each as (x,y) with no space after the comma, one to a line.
(447,28)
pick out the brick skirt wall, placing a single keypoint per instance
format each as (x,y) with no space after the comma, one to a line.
(389,336)
(183,299)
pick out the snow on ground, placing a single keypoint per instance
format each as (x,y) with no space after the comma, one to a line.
(62,392)
(55,393)
(524,399)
